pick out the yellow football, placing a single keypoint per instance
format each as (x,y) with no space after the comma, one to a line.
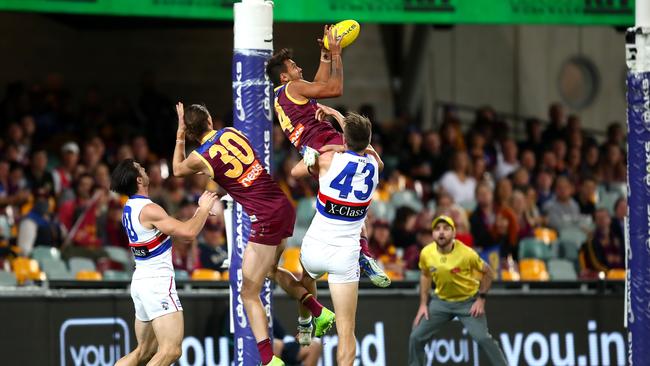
(347,31)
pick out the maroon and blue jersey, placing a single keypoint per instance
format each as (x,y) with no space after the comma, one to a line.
(299,123)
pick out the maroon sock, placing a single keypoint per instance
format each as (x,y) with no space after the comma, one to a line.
(311,304)
(266,351)
(364,247)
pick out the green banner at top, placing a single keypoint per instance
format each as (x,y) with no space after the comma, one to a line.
(577,12)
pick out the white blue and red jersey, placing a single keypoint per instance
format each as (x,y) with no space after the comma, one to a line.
(151,248)
(344,194)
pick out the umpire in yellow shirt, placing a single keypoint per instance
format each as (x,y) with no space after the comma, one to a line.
(451,265)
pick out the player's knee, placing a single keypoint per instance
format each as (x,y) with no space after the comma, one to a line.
(414,339)
(249,291)
(171,353)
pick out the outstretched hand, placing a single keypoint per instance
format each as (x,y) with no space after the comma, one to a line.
(180,112)
(324,111)
(334,41)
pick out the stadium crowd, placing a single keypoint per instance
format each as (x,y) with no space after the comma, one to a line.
(556,195)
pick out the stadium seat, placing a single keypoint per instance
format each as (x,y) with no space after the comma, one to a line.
(616,274)
(181,274)
(533,270)
(112,275)
(533,248)
(225,275)
(291,260)
(205,274)
(84,275)
(305,211)
(40,252)
(55,269)
(77,264)
(573,235)
(562,270)
(120,255)
(26,269)
(412,275)
(546,235)
(7,279)
(510,274)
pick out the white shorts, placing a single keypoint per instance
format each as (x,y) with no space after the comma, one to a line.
(154,297)
(340,262)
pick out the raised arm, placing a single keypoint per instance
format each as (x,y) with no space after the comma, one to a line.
(324,111)
(323,72)
(333,86)
(182,166)
(154,215)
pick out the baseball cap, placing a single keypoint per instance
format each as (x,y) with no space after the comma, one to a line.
(70,146)
(445,219)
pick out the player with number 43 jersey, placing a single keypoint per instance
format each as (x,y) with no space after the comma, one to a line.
(227,156)
(347,181)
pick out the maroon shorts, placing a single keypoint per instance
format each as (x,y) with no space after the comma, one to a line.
(271,230)
(333,138)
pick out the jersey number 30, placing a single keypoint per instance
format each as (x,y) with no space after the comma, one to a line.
(236,155)
(343,181)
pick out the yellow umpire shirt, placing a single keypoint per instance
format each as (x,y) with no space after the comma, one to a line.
(452,273)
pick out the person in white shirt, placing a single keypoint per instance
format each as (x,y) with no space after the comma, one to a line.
(458,182)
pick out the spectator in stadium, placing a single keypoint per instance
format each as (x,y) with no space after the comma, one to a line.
(37,175)
(458,182)
(452,140)
(589,163)
(525,223)
(451,265)
(586,196)
(604,250)
(533,142)
(63,175)
(185,253)
(480,172)
(15,135)
(404,227)
(612,165)
(431,146)
(173,194)
(616,135)
(574,159)
(212,244)
(141,152)
(562,210)
(39,226)
(79,216)
(412,253)
(507,161)
(528,160)
(555,129)
(618,220)
(520,179)
(492,225)
(156,181)
(110,226)
(382,248)
(91,156)
(544,187)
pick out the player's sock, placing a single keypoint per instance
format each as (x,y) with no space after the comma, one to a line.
(311,304)
(304,321)
(266,351)
(363,241)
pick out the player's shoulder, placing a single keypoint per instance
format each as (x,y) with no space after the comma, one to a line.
(429,250)
(464,248)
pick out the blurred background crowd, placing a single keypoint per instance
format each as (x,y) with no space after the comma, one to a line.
(546,203)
